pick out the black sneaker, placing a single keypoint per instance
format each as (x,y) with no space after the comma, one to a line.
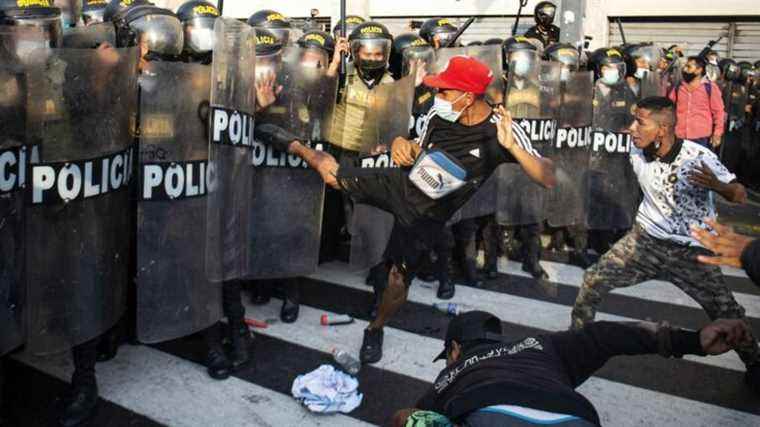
(218,365)
(372,346)
(581,259)
(752,378)
(79,406)
(446,290)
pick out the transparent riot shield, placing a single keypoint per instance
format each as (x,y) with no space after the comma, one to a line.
(174,296)
(653,84)
(368,119)
(570,151)
(14,156)
(90,37)
(233,102)
(370,228)
(533,99)
(79,216)
(288,197)
(613,193)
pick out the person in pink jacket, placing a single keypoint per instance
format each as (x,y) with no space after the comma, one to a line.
(700,113)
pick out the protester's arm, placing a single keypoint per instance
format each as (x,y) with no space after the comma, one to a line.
(539,169)
(584,351)
(729,247)
(712,175)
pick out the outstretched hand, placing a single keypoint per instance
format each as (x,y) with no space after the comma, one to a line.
(726,244)
(723,335)
(266,92)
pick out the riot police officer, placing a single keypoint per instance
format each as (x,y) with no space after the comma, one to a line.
(352,21)
(274,22)
(569,57)
(544,30)
(438,32)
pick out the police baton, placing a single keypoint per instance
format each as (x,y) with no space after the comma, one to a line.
(459,32)
(221,7)
(523,3)
(343,29)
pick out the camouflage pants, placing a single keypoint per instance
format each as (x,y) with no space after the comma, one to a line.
(638,257)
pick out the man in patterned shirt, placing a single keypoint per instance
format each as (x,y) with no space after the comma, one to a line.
(678,178)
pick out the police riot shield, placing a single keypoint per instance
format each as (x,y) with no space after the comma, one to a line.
(288,196)
(89,37)
(732,150)
(366,120)
(652,85)
(232,105)
(14,153)
(78,214)
(370,228)
(570,151)
(533,99)
(613,192)
(174,296)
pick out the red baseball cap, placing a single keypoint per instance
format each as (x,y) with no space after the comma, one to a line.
(463,73)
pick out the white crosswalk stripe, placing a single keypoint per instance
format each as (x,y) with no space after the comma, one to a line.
(177,392)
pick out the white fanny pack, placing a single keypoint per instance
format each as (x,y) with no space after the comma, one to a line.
(437,174)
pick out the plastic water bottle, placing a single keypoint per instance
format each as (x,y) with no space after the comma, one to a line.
(451,308)
(346,361)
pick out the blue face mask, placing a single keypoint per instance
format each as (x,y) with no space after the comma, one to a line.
(610,77)
(521,68)
(445,109)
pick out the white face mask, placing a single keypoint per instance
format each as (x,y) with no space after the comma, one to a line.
(445,109)
(610,77)
(522,68)
(564,74)
(641,73)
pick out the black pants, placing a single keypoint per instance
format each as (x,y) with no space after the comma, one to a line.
(85,356)
(283,288)
(530,237)
(232,306)
(466,236)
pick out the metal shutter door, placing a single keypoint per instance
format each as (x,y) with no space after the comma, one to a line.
(484,27)
(693,36)
(747,42)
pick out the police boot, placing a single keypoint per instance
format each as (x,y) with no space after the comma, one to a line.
(80,405)
(752,377)
(218,365)
(241,342)
(289,310)
(108,346)
(446,289)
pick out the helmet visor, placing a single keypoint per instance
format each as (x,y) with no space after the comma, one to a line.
(199,35)
(161,33)
(416,57)
(371,54)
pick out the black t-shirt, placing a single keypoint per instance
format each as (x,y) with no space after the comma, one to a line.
(542,372)
(476,148)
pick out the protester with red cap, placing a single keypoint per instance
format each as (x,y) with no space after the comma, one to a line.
(463,143)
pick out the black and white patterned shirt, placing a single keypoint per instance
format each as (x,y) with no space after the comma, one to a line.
(671,202)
